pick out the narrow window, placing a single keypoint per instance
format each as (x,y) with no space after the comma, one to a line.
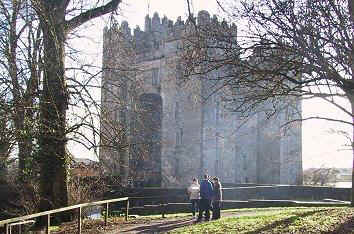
(179,137)
(177,111)
(155,76)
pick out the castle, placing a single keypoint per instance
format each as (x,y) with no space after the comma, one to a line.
(157,131)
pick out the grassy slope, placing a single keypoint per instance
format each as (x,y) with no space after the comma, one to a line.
(288,220)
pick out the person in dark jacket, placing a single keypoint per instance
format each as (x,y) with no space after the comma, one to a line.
(217,198)
(206,195)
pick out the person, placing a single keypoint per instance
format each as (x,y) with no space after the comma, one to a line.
(217,198)
(194,196)
(206,194)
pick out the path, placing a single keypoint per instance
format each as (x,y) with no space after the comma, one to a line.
(164,225)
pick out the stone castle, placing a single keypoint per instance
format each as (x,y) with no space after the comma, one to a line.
(157,131)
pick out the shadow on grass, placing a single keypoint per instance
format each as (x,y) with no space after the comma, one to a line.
(283,222)
(344,228)
(161,227)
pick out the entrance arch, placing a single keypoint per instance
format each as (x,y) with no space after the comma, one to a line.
(148,138)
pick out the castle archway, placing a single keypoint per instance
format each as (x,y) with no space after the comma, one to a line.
(148,136)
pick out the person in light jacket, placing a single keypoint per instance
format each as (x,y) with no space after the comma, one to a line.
(217,198)
(194,196)
(206,195)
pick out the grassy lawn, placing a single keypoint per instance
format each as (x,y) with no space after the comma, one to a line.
(287,220)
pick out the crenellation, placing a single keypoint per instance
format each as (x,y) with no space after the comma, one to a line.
(125,29)
(179,21)
(157,30)
(162,28)
(164,20)
(155,22)
(137,31)
(170,24)
(215,21)
(147,23)
(203,18)
(224,24)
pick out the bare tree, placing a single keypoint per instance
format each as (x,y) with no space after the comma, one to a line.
(286,48)
(320,176)
(43,96)
(20,52)
(57,19)
(7,140)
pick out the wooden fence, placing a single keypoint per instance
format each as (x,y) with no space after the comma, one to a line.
(8,223)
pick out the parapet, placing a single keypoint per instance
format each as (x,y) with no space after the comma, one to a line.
(157,30)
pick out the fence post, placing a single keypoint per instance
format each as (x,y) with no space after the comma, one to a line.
(127,211)
(79,225)
(7,228)
(163,207)
(48,224)
(162,210)
(106,216)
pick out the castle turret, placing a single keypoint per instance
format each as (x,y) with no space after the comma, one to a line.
(155,23)
(125,29)
(203,17)
(147,23)
(165,21)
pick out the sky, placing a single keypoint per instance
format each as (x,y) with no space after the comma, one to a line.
(321,148)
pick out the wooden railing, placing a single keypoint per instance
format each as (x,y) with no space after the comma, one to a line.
(26,219)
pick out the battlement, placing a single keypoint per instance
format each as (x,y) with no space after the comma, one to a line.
(157,30)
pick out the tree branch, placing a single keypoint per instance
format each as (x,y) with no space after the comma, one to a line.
(91,14)
(317,117)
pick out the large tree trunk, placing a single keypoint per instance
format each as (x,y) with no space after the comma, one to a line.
(53,104)
(54,98)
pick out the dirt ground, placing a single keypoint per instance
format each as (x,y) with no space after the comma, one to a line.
(138,225)
(164,225)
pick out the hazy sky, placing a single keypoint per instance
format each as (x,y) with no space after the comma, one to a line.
(320,147)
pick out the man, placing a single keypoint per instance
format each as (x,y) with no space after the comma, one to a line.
(206,195)
(217,198)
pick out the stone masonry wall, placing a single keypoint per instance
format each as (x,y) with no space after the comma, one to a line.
(197,135)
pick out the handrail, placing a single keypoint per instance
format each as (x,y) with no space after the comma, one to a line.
(6,222)
(12,220)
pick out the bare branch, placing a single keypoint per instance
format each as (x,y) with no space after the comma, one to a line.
(91,14)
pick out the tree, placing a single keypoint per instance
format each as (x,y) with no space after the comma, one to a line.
(56,22)
(288,48)
(6,139)
(320,176)
(20,68)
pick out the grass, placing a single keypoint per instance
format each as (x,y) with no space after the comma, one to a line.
(284,220)
(250,221)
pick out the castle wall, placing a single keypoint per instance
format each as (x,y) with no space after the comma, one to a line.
(291,146)
(198,134)
(268,152)
(246,143)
